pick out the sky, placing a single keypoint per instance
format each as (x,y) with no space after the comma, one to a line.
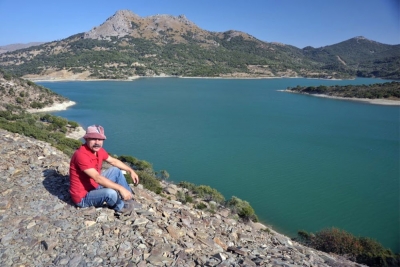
(299,23)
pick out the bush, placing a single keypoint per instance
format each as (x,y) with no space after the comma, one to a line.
(36,105)
(135,163)
(209,193)
(187,185)
(201,206)
(360,249)
(183,197)
(32,125)
(336,241)
(148,181)
(242,208)
(7,76)
(73,124)
(164,175)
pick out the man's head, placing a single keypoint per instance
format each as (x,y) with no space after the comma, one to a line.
(94,137)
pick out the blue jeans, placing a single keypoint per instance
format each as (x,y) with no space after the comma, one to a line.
(101,194)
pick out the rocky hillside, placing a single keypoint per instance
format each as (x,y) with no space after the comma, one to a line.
(17,93)
(127,45)
(41,227)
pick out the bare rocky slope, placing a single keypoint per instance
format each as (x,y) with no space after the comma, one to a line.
(41,227)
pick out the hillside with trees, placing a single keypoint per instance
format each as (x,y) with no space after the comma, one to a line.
(17,94)
(127,45)
(389,90)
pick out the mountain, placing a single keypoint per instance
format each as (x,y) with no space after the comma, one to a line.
(368,58)
(13,47)
(128,45)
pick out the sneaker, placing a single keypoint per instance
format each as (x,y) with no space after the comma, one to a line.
(127,209)
(135,205)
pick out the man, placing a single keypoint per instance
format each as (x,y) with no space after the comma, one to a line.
(90,187)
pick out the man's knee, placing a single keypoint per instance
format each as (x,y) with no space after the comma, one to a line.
(111,193)
(114,169)
(111,172)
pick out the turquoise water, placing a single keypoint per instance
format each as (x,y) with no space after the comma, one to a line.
(302,162)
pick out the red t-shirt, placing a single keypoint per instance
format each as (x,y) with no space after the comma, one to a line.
(80,182)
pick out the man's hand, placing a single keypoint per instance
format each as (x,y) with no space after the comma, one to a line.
(125,194)
(134,176)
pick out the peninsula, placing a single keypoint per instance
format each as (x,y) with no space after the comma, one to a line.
(381,93)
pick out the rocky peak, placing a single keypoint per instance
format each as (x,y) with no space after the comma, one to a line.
(182,18)
(117,25)
(360,38)
(125,22)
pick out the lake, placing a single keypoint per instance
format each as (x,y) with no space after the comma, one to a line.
(302,162)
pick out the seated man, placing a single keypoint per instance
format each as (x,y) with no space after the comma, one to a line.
(90,187)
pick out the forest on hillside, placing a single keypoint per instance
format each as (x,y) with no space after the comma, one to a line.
(388,90)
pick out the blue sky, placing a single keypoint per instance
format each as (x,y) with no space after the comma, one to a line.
(296,22)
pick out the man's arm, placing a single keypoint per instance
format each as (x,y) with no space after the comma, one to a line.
(119,164)
(101,180)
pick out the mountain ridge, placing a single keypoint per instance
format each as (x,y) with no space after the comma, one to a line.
(127,45)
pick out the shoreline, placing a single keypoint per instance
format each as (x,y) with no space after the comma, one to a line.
(132,78)
(77,133)
(385,102)
(54,107)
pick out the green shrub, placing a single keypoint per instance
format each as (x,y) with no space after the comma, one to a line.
(303,237)
(164,175)
(188,198)
(36,105)
(200,206)
(187,185)
(360,249)
(336,241)
(242,208)
(183,197)
(209,193)
(32,125)
(135,163)
(7,76)
(73,124)
(180,196)
(149,181)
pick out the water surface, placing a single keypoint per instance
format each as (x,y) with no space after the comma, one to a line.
(302,162)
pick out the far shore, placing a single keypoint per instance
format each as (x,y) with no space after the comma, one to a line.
(131,78)
(386,102)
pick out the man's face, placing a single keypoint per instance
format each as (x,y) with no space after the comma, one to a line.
(94,144)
